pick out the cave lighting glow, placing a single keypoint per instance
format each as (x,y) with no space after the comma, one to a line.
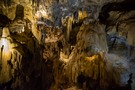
(4,42)
(41,13)
(92,58)
(5,50)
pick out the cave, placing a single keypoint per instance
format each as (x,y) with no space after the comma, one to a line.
(67,45)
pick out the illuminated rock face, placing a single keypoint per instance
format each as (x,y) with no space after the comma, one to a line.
(15,56)
(62,45)
(5,71)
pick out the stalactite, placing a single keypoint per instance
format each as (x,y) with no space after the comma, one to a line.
(69,26)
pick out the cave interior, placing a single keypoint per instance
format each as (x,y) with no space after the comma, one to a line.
(67,45)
